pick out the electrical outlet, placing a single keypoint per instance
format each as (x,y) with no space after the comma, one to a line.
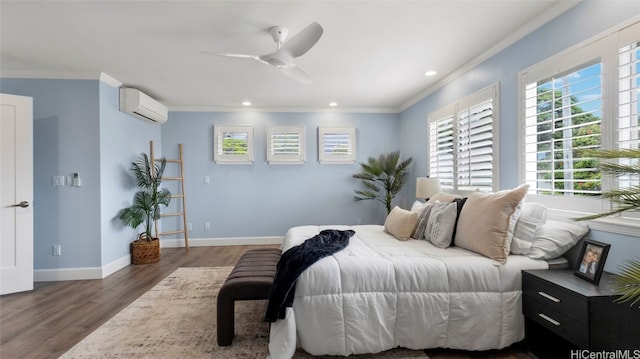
(57,250)
(206,179)
(207,225)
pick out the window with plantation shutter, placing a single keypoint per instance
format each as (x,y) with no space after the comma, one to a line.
(336,145)
(585,98)
(563,119)
(285,145)
(233,144)
(462,143)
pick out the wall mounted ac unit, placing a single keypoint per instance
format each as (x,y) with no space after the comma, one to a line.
(140,105)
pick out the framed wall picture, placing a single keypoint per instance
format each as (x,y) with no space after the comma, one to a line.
(592,258)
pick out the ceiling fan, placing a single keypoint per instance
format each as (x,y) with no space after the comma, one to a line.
(285,52)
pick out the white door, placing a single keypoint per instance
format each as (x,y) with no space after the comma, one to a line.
(16,194)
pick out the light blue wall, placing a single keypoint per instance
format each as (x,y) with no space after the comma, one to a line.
(78,128)
(122,138)
(65,140)
(265,200)
(583,21)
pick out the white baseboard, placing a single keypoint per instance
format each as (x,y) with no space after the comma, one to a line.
(84,273)
(212,242)
(60,274)
(52,275)
(116,265)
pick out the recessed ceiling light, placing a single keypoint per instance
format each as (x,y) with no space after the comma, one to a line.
(430,73)
(333,104)
(246,103)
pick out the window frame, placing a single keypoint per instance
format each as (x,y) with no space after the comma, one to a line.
(489,93)
(236,159)
(297,158)
(604,49)
(336,158)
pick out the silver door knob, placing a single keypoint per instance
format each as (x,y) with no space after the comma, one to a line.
(23,204)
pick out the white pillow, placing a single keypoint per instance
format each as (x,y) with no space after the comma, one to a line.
(418,206)
(443,197)
(554,238)
(532,215)
(440,224)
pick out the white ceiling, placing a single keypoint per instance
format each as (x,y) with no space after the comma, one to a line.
(371,57)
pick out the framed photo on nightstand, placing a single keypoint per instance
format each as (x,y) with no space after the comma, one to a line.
(592,258)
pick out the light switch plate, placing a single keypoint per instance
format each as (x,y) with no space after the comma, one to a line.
(58,180)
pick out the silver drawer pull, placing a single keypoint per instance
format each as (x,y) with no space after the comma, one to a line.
(548,319)
(551,298)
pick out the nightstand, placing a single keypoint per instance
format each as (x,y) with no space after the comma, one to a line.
(563,313)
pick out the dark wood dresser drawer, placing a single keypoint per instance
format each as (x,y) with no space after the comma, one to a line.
(556,321)
(563,310)
(556,298)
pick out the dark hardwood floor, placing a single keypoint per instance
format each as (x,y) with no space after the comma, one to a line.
(46,322)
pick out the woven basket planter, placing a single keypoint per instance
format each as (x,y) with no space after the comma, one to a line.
(144,252)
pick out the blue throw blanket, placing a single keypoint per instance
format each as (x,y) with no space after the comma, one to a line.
(294,261)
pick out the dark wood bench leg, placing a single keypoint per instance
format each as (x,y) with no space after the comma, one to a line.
(225,317)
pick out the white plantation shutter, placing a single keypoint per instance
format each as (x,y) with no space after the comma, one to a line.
(562,119)
(462,143)
(441,149)
(629,110)
(285,144)
(475,147)
(337,144)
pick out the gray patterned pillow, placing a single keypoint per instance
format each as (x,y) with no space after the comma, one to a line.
(441,223)
(418,232)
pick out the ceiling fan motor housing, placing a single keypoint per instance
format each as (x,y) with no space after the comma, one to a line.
(279,34)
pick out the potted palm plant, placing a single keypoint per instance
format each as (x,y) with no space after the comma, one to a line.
(383,178)
(627,282)
(146,208)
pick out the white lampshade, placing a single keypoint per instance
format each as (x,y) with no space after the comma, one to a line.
(426,187)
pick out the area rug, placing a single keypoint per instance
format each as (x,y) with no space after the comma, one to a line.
(177,319)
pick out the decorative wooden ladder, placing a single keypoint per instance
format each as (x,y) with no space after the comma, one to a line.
(181,195)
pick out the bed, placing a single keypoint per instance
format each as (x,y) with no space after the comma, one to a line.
(379,293)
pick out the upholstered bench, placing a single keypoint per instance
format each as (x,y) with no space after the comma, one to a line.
(250,279)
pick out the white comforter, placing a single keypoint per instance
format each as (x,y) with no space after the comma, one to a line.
(380,293)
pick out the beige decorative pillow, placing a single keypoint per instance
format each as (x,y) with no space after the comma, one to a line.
(486,222)
(400,223)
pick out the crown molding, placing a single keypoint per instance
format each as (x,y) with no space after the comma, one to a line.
(106,78)
(283,109)
(50,75)
(61,75)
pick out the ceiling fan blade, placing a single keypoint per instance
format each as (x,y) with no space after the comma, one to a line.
(304,40)
(298,74)
(228,54)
